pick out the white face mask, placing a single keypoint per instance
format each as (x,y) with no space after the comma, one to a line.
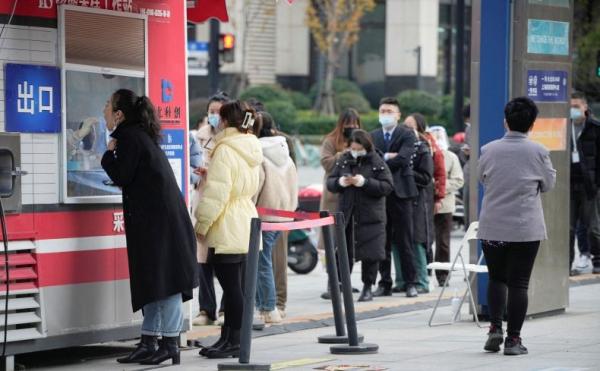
(576,113)
(357,154)
(387,120)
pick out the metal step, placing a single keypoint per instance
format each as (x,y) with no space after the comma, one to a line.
(20,319)
(22,334)
(19,303)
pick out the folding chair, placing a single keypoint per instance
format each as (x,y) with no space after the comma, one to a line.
(467,269)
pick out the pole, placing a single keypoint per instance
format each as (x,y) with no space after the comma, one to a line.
(460,65)
(213,56)
(419,80)
(353,346)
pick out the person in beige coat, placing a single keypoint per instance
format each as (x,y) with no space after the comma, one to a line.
(443,216)
(334,146)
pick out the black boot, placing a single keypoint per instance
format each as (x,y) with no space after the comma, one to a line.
(231,348)
(168,349)
(145,349)
(366,294)
(222,340)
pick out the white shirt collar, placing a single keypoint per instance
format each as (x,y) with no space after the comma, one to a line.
(390,130)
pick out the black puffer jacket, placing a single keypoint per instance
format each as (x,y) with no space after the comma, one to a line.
(423,209)
(363,207)
(586,174)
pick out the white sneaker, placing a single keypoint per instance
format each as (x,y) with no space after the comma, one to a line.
(202,320)
(221,319)
(585,263)
(281,312)
(272,316)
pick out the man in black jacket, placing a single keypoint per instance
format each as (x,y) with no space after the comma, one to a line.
(398,145)
(585,179)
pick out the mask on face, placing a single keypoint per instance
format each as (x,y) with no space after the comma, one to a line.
(387,120)
(213,120)
(357,154)
(576,113)
(348,132)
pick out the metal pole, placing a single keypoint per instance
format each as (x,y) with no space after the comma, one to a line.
(213,56)
(460,65)
(353,346)
(419,80)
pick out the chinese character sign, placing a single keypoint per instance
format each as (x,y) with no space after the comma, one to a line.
(173,144)
(33,96)
(547,86)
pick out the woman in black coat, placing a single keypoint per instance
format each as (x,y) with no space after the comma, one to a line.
(363,180)
(161,245)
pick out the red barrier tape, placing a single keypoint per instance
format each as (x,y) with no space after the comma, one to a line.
(303,215)
(304,224)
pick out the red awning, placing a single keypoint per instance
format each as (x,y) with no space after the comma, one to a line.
(203,10)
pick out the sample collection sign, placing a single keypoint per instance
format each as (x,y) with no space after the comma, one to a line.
(547,86)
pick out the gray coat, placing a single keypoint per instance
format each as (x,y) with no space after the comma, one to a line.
(514,171)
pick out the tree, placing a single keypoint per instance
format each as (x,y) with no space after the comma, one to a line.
(586,35)
(334,25)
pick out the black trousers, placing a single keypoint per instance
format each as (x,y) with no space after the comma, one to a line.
(509,265)
(230,278)
(399,232)
(368,271)
(580,214)
(206,291)
(443,226)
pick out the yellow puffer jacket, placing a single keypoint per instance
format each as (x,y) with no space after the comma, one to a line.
(224,213)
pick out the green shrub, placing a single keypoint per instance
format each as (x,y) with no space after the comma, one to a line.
(419,101)
(300,100)
(265,93)
(352,100)
(370,121)
(284,113)
(309,123)
(339,86)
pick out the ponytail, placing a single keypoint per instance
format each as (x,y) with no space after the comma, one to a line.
(138,110)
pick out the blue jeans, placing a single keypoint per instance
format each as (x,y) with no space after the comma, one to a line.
(265,284)
(163,317)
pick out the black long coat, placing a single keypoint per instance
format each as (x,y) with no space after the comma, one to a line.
(423,209)
(364,207)
(161,244)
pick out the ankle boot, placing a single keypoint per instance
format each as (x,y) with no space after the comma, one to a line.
(222,340)
(366,294)
(168,350)
(145,349)
(231,348)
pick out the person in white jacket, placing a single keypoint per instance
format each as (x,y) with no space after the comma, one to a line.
(443,217)
(278,189)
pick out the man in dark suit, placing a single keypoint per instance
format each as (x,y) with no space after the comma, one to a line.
(398,145)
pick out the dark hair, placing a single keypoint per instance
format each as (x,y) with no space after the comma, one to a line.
(348,116)
(256,104)
(466,112)
(220,97)
(267,125)
(363,138)
(390,100)
(234,112)
(520,114)
(137,111)
(579,95)
(421,122)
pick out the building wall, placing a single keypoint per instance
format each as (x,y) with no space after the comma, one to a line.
(39,152)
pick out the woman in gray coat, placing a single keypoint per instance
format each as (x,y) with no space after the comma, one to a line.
(511,221)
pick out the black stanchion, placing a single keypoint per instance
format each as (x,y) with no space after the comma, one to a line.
(353,347)
(334,288)
(248,313)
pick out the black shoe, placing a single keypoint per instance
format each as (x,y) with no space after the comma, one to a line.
(382,291)
(231,348)
(596,269)
(145,349)
(222,340)
(411,292)
(355,290)
(495,338)
(168,350)
(326,295)
(513,346)
(366,294)
(398,289)
(443,282)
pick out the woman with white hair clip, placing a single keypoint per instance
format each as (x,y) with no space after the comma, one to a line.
(443,217)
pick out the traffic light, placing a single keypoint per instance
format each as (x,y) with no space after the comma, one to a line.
(227,48)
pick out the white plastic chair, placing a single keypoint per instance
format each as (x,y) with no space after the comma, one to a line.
(467,269)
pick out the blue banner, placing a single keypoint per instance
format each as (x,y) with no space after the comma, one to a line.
(547,37)
(547,86)
(32,98)
(173,144)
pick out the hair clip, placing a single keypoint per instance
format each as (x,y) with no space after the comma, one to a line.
(248,121)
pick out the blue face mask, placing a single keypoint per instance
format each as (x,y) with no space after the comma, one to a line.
(387,120)
(213,120)
(576,113)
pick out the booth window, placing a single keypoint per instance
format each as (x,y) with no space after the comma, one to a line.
(101,51)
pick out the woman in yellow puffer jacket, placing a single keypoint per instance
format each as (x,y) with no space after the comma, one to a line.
(224,214)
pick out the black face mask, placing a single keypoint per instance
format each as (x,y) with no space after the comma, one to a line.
(348,132)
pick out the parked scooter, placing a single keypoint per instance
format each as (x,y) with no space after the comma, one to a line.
(302,244)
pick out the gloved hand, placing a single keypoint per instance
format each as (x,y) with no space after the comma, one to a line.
(359,180)
(344,181)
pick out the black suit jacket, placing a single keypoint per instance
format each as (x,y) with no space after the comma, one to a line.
(403,143)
